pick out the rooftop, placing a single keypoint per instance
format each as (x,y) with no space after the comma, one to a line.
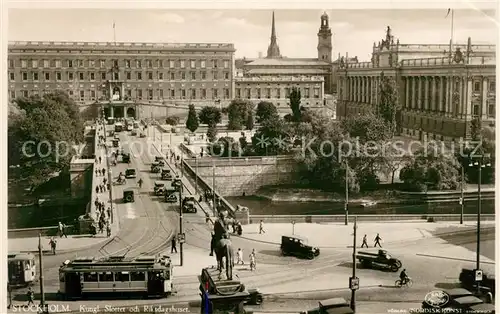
(125,45)
(287,62)
(279,78)
(286,71)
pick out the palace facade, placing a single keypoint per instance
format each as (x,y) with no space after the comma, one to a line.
(122,76)
(441,90)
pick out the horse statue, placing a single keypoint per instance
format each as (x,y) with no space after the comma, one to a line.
(222,247)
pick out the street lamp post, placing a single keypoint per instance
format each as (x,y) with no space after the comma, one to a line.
(196,175)
(462,197)
(354,281)
(40,262)
(479,164)
(346,202)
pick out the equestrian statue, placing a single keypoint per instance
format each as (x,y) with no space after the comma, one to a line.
(222,246)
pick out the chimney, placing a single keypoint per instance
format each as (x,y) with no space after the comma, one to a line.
(260,54)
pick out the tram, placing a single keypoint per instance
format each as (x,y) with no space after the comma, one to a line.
(149,276)
(21,269)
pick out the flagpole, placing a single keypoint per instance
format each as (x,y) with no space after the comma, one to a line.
(451,33)
(114,32)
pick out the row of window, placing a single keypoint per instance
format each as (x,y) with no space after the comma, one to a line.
(121,276)
(139,64)
(91,76)
(140,94)
(268,93)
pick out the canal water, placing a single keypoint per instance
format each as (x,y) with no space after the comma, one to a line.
(262,206)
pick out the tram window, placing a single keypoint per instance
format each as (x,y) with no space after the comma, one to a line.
(137,276)
(108,276)
(122,276)
(90,277)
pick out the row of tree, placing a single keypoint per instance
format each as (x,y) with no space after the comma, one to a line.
(37,127)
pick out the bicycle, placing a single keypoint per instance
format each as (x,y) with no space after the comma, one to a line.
(408,283)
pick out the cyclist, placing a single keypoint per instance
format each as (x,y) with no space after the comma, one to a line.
(403,277)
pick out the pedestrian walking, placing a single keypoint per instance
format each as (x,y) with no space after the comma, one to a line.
(63,231)
(109,212)
(108,229)
(261,227)
(101,226)
(97,172)
(60,228)
(100,159)
(100,188)
(239,256)
(252,260)
(53,245)
(31,296)
(364,242)
(140,183)
(109,186)
(174,245)
(97,189)
(104,181)
(377,240)
(103,172)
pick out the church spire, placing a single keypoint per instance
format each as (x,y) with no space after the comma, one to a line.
(273,51)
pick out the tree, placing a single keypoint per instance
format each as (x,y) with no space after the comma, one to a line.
(368,127)
(212,133)
(226,147)
(249,123)
(237,113)
(210,115)
(54,125)
(265,111)
(272,138)
(295,104)
(174,120)
(192,122)
(430,168)
(389,107)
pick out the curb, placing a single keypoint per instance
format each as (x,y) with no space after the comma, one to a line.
(71,250)
(451,233)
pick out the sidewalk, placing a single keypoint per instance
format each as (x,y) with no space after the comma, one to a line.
(77,242)
(337,235)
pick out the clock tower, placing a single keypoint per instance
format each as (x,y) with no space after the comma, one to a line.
(325,40)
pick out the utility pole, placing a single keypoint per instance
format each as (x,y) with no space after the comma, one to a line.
(196,175)
(354,281)
(346,204)
(462,197)
(478,249)
(40,262)
(213,189)
(181,231)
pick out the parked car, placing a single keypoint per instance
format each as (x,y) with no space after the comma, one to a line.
(334,305)
(468,280)
(128,196)
(297,246)
(155,167)
(126,158)
(368,203)
(166,174)
(159,188)
(189,204)
(130,173)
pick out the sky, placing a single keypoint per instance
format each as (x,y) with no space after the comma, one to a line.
(355,31)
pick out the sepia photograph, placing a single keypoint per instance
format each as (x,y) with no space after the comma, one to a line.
(245,160)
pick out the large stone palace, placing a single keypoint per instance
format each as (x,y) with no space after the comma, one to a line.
(124,76)
(441,89)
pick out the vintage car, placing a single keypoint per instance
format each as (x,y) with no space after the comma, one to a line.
(142,135)
(155,168)
(133,133)
(130,173)
(467,279)
(297,246)
(116,142)
(159,188)
(126,158)
(166,174)
(334,305)
(128,196)
(177,183)
(189,204)
(380,258)
(160,160)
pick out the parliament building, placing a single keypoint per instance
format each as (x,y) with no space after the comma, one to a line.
(441,90)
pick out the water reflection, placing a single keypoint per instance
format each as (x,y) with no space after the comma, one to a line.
(261,206)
